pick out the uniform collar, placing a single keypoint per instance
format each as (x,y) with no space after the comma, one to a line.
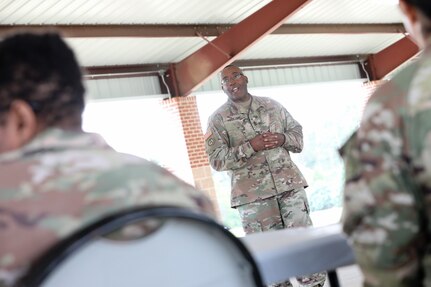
(56,139)
(256,103)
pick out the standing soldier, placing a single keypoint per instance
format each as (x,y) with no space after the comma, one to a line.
(251,137)
(387,200)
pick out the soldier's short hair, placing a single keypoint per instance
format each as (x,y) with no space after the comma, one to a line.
(41,70)
(423,5)
(227,66)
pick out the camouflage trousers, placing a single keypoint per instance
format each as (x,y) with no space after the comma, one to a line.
(287,210)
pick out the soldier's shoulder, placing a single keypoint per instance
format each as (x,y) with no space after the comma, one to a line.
(397,87)
(263,100)
(419,95)
(123,161)
(221,111)
(266,101)
(133,171)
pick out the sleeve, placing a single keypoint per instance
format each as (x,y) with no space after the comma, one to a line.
(217,145)
(292,131)
(379,214)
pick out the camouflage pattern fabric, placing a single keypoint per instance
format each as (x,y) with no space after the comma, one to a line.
(63,181)
(388,181)
(287,210)
(255,175)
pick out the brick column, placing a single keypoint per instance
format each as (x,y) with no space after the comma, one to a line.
(185,112)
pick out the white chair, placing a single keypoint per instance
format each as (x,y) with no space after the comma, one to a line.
(187,250)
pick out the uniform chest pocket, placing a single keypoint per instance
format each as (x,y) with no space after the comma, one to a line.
(239,129)
(275,126)
(274,122)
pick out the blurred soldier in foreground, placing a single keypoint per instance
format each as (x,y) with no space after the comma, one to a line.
(251,137)
(54,178)
(387,202)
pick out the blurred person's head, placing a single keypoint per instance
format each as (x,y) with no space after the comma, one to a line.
(417,19)
(40,87)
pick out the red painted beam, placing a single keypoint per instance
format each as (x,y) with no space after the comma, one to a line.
(387,60)
(190,73)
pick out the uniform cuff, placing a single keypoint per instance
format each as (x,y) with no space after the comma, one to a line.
(247,150)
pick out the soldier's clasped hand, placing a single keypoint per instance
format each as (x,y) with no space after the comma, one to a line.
(267,141)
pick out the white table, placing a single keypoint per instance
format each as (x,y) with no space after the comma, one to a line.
(287,253)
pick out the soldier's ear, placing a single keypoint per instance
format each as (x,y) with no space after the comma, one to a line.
(23,122)
(246,79)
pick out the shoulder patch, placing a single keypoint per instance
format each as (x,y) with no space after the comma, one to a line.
(210,141)
(208,134)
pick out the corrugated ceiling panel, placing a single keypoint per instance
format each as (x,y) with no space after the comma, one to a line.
(126,11)
(186,11)
(123,87)
(149,85)
(348,11)
(127,51)
(292,75)
(284,46)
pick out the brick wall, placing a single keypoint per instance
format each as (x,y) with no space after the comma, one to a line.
(185,112)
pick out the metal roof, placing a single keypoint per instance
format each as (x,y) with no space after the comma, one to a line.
(148,86)
(126,11)
(278,46)
(186,11)
(305,34)
(104,51)
(265,77)
(347,12)
(128,51)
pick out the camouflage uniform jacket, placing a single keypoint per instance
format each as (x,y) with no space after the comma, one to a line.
(387,204)
(63,181)
(255,175)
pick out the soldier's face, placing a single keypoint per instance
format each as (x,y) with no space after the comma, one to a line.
(234,84)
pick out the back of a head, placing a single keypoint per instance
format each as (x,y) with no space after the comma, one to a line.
(423,5)
(41,70)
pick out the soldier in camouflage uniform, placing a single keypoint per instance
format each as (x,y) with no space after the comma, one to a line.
(251,137)
(387,200)
(54,178)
